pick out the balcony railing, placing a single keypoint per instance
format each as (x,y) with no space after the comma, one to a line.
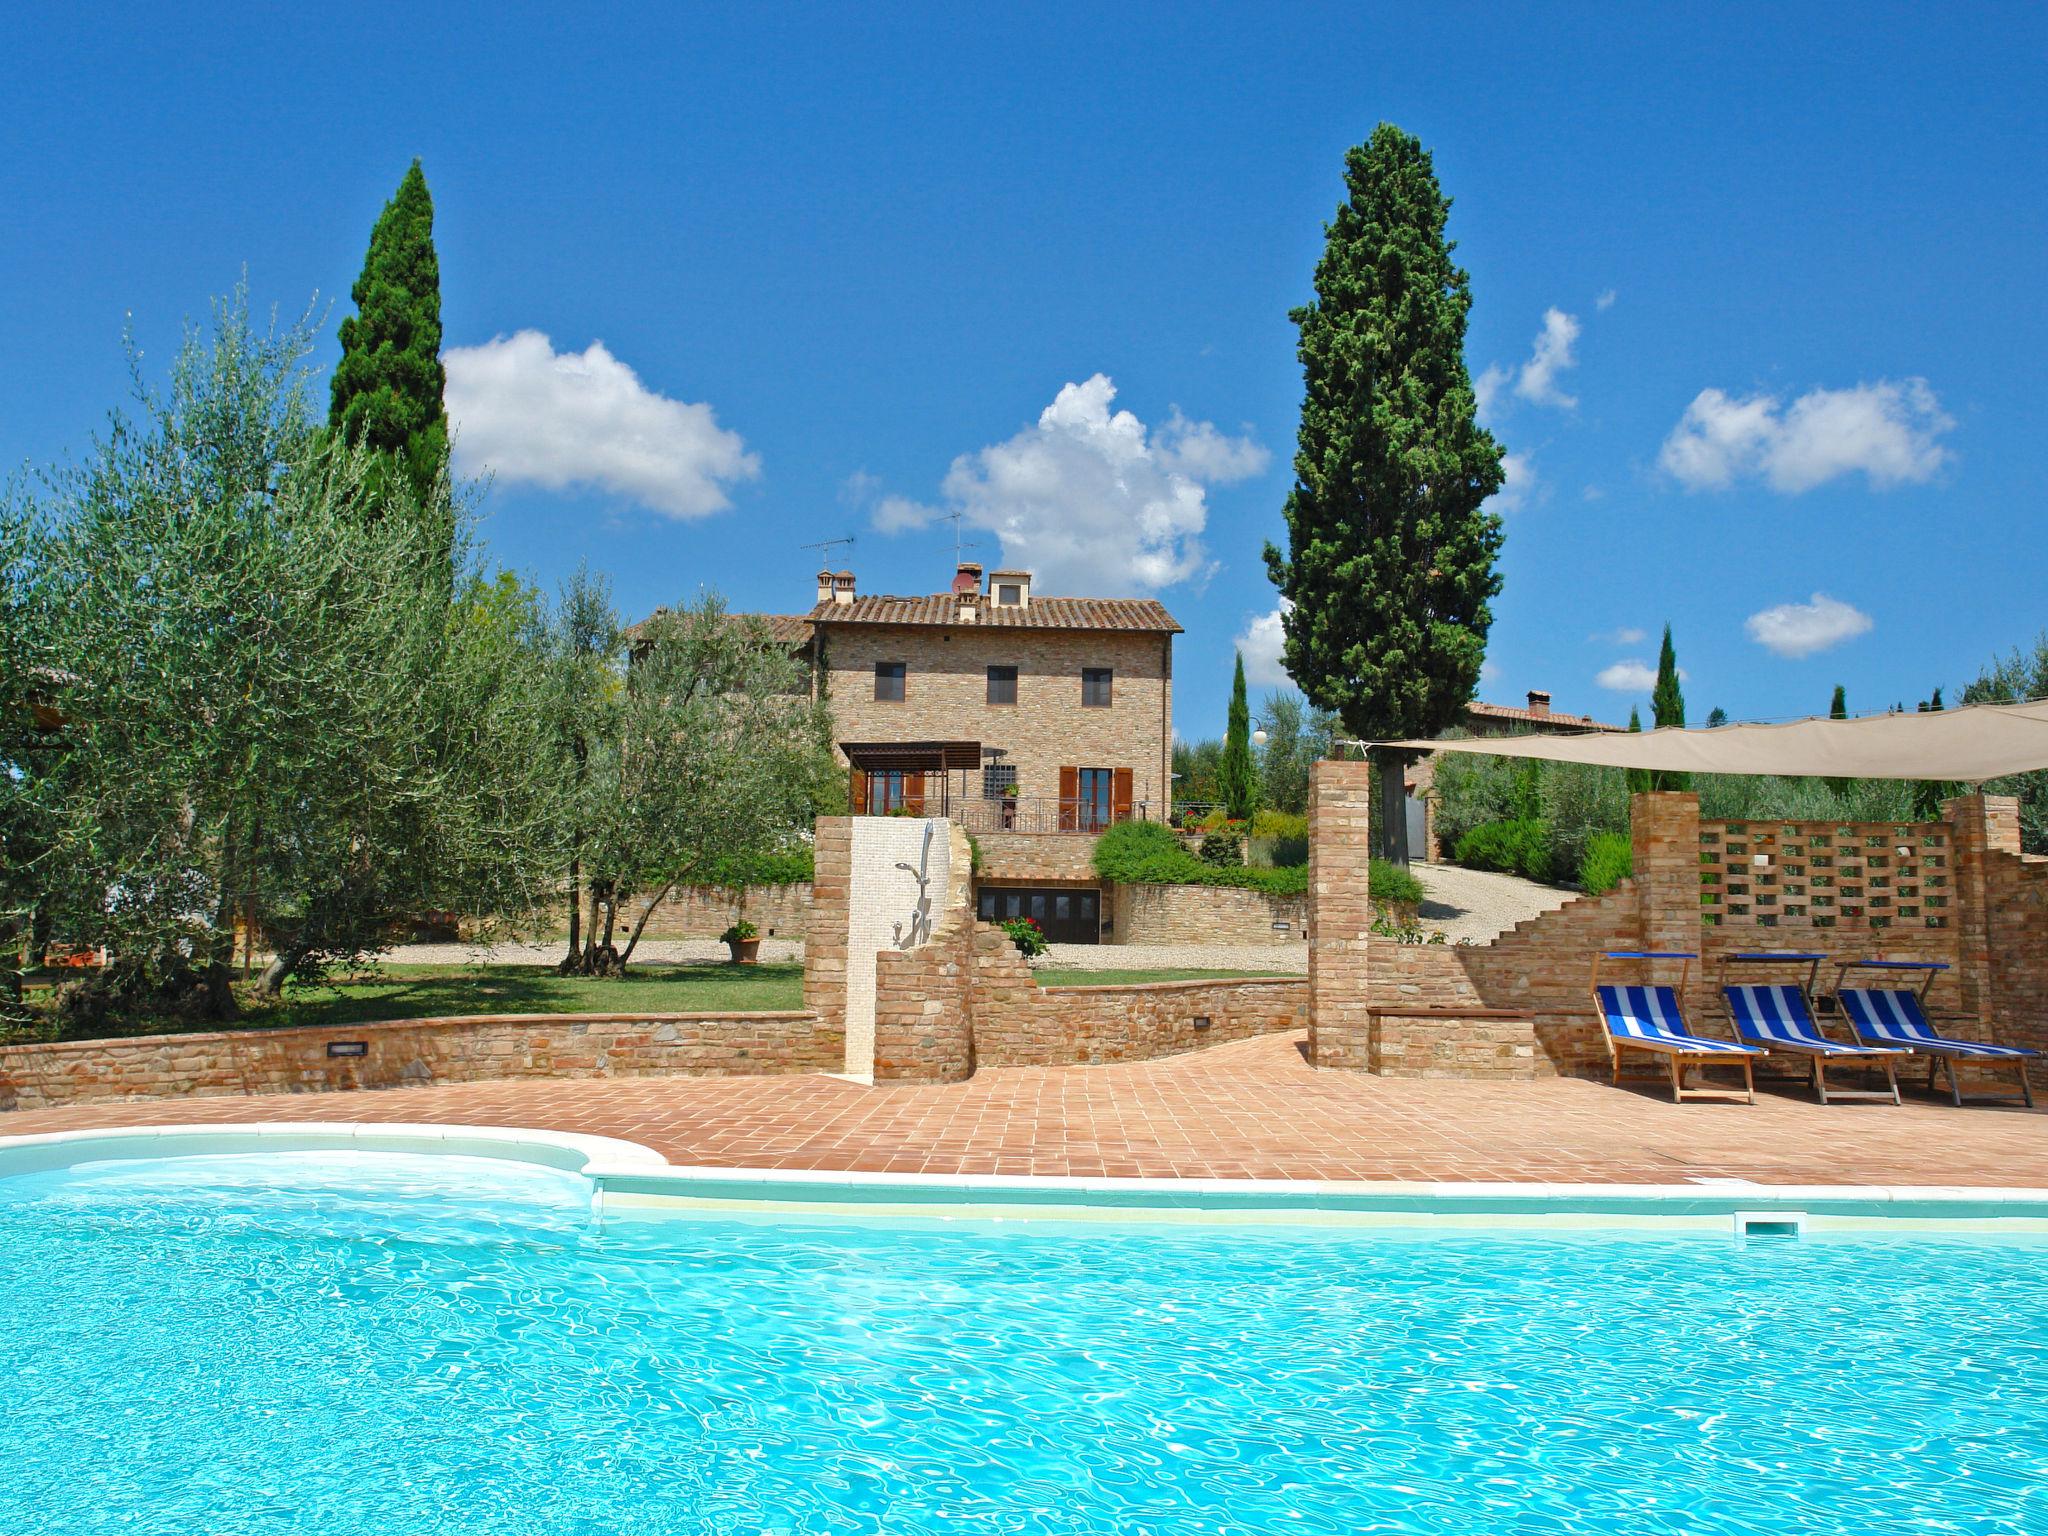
(1044,814)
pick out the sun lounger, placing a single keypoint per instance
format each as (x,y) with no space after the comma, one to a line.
(1896,1017)
(1775,1017)
(1649,1019)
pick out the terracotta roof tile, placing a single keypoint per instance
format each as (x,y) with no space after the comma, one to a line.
(1556,718)
(1136,614)
(790,629)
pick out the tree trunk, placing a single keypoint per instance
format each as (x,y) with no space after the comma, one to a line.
(1393,838)
(572,960)
(277,970)
(633,939)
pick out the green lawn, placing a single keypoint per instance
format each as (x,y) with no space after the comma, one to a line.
(431,991)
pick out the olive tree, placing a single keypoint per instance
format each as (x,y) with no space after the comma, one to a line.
(711,756)
(277,722)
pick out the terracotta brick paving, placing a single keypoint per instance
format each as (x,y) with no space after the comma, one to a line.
(1249,1110)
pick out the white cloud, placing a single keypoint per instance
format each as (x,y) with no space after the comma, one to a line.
(1888,431)
(1259,642)
(1801,629)
(1090,499)
(1628,634)
(1487,387)
(1551,356)
(531,415)
(1518,482)
(1606,300)
(1631,676)
(1535,380)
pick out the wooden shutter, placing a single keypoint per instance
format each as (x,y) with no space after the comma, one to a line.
(913,793)
(1120,796)
(857,791)
(1070,798)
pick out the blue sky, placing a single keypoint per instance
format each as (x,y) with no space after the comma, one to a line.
(1761,289)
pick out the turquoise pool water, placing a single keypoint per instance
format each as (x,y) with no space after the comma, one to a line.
(347,1344)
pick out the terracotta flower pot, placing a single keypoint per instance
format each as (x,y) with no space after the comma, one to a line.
(744,951)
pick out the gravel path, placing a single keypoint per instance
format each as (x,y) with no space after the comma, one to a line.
(651,951)
(1468,905)
(1290,958)
(1475,906)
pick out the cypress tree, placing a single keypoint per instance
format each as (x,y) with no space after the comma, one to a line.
(1667,708)
(1667,700)
(1838,706)
(387,388)
(1237,779)
(1640,780)
(1390,558)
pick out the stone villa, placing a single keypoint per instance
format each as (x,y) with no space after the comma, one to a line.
(1033,720)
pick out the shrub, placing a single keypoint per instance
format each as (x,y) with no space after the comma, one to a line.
(788,866)
(1026,935)
(1509,847)
(1609,860)
(739,933)
(1223,848)
(1280,824)
(1145,853)
(1389,882)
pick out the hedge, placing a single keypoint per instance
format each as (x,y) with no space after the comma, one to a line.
(1509,847)
(1145,853)
(1609,860)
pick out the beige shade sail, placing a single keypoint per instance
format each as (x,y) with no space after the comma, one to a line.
(1969,745)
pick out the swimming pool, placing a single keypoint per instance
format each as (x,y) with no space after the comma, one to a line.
(353,1342)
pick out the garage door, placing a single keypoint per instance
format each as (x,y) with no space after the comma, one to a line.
(1068,916)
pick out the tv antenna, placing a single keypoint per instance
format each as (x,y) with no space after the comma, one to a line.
(824,547)
(959,543)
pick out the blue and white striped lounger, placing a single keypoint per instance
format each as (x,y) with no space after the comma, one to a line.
(1776,1017)
(1649,1019)
(1883,1016)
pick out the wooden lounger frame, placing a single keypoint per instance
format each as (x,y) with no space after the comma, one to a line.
(1676,1058)
(1941,1060)
(1889,1094)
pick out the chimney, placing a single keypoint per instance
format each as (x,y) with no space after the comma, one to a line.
(1009,589)
(842,587)
(824,588)
(967,579)
(1539,703)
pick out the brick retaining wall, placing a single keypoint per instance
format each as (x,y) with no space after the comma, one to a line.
(450,1050)
(1018,1023)
(704,911)
(1206,914)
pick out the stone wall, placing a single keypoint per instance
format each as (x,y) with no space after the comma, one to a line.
(1018,1023)
(945,697)
(1206,914)
(452,1050)
(704,912)
(1027,858)
(1475,1043)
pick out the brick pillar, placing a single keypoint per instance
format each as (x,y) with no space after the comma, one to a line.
(1984,852)
(825,935)
(1340,797)
(1664,829)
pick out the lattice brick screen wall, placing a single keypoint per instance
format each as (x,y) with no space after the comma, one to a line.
(1824,873)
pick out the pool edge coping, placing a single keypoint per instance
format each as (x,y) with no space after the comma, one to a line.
(630,1177)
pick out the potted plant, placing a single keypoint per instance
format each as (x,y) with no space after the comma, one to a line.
(1009,798)
(1025,933)
(743,942)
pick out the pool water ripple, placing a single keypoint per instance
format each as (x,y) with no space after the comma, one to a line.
(363,1343)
